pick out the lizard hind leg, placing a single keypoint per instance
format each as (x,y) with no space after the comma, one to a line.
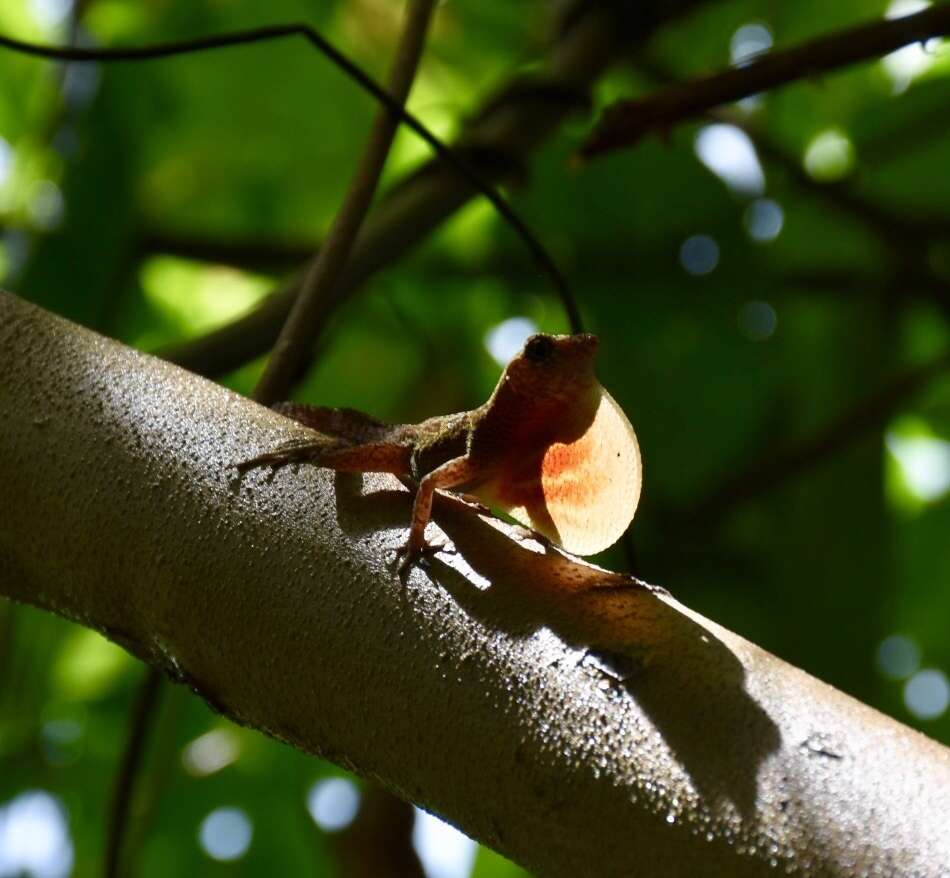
(295,451)
(350,441)
(336,454)
(343,423)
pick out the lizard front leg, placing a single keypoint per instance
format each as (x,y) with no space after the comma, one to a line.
(454,472)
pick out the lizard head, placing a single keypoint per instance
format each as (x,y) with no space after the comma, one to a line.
(553,366)
(567,461)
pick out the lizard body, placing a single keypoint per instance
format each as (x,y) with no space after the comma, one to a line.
(550,447)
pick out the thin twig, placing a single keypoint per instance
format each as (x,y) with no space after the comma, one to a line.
(907,238)
(139,729)
(516,126)
(289,356)
(379,840)
(292,351)
(625,122)
(773,469)
(262,34)
(162,758)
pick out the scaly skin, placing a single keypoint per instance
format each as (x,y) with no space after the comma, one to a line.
(545,447)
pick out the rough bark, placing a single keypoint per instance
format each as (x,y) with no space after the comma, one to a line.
(580,727)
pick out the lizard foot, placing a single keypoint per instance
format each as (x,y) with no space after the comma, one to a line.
(290,452)
(416,555)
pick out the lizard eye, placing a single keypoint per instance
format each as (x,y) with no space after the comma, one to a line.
(539,348)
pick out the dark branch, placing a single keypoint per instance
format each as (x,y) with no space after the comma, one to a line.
(515,127)
(625,122)
(771,470)
(292,350)
(263,254)
(262,34)
(140,728)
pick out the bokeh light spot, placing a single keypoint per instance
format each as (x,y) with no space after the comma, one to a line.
(758,320)
(508,337)
(901,8)
(908,62)
(699,254)
(829,155)
(225,834)
(927,694)
(764,219)
(198,296)
(50,13)
(6,162)
(443,851)
(748,42)
(62,733)
(34,837)
(211,752)
(924,463)
(88,666)
(730,154)
(333,803)
(46,205)
(897,657)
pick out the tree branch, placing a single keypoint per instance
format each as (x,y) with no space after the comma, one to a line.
(598,729)
(139,732)
(249,253)
(291,353)
(276,32)
(908,238)
(623,123)
(773,469)
(514,125)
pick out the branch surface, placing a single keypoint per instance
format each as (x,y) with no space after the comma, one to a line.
(540,704)
(623,123)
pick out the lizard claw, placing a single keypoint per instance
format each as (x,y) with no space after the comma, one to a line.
(416,555)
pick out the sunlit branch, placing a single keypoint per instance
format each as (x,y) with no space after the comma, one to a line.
(625,122)
(291,353)
(262,34)
(537,684)
(774,469)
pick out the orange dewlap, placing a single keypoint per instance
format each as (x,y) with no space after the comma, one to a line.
(580,494)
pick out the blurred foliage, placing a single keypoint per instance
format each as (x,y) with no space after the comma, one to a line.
(842,569)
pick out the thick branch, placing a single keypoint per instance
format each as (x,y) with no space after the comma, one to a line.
(576,725)
(625,122)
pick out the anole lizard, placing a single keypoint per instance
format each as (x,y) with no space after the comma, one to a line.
(550,447)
